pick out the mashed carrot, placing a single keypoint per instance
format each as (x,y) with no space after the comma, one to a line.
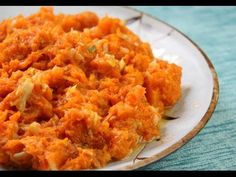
(78,92)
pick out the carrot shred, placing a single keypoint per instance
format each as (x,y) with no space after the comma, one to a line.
(78,91)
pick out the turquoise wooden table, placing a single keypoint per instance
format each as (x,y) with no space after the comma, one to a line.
(214,30)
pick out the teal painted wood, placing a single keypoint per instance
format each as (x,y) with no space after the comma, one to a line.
(214,30)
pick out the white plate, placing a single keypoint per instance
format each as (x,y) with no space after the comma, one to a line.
(199,81)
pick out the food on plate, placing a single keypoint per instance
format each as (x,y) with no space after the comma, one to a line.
(78,91)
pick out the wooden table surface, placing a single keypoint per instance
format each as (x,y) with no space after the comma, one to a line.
(214,30)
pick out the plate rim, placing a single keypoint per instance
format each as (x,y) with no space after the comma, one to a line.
(201,124)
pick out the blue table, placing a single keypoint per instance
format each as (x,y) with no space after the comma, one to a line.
(214,30)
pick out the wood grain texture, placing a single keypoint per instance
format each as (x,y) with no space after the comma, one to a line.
(214,30)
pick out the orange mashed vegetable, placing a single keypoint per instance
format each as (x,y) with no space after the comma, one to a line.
(78,92)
